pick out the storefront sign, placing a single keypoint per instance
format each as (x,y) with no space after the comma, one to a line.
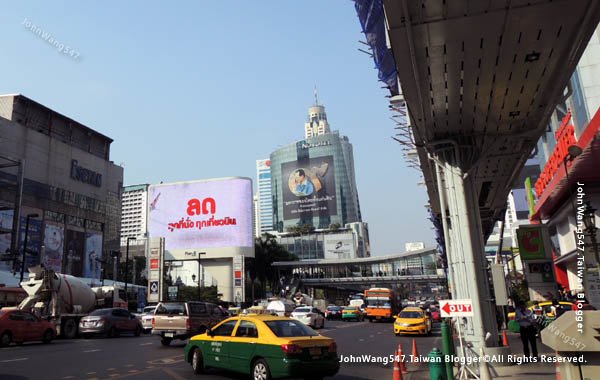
(85,175)
(565,137)
(306,145)
(532,242)
(529,195)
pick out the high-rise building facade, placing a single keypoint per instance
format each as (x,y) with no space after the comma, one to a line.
(70,207)
(264,222)
(317,124)
(134,205)
(313,181)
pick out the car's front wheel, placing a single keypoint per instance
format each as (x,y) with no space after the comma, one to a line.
(197,361)
(47,338)
(5,339)
(260,370)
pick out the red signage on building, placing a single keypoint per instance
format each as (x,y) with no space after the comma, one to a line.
(456,308)
(238,274)
(153,263)
(565,137)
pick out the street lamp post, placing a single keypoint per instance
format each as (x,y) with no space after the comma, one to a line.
(200,277)
(115,257)
(25,243)
(127,266)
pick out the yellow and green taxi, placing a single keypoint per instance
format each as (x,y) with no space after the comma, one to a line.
(544,308)
(352,313)
(265,347)
(412,320)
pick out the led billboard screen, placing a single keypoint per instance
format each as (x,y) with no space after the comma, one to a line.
(202,214)
(308,188)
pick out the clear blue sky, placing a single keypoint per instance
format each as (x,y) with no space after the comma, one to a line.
(205,88)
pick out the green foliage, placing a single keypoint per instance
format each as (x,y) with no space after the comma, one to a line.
(267,251)
(519,291)
(334,226)
(301,229)
(192,293)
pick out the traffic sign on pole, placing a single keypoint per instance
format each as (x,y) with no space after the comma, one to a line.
(456,308)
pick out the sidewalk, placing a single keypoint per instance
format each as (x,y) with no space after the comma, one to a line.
(529,371)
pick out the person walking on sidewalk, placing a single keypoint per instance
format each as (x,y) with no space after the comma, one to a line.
(528,331)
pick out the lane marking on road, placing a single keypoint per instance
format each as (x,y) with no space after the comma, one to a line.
(91,373)
(133,371)
(146,344)
(111,369)
(13,360)
(128,365)
(173,374)
(69,377)
(88,351)
(171,360)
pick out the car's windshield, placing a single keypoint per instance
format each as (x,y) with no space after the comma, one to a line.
(333,308)
(350,308)
(149,309)
(289,328)
(101,312)
(171,309)
(302,310)
(411,314)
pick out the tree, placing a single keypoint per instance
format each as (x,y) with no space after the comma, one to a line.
(267,251)
(334,226)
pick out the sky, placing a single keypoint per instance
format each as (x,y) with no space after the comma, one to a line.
(205,88)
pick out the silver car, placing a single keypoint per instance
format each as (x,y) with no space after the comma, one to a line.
(146,318)
(110,322)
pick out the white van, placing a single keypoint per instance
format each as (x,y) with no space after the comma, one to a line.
(281,307)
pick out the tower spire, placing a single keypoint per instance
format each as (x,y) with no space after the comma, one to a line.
(316,96)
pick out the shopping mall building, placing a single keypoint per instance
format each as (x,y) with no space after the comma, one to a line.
(568,190)
(69,196)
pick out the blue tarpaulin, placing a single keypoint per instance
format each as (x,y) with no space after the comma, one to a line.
(371,17)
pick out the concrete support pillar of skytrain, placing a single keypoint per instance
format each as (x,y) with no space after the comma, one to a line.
(465,253)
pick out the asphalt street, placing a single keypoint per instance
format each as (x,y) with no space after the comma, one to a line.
(144,358)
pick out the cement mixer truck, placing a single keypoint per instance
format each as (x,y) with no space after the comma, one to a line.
(64,299)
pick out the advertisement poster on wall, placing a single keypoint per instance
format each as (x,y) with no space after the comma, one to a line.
(73,263)
(54,238)
(34,240)
(309,188)
(339,246)
(93,253)
(202,214)
(6,220)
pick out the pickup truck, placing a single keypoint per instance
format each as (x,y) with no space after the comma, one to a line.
(182,320)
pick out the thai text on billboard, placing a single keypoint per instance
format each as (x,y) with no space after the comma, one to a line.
(202,214)
(309,188)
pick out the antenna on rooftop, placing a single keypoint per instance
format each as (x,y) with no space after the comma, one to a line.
(316,96)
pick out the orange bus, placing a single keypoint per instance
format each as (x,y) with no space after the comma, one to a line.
(381,304)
